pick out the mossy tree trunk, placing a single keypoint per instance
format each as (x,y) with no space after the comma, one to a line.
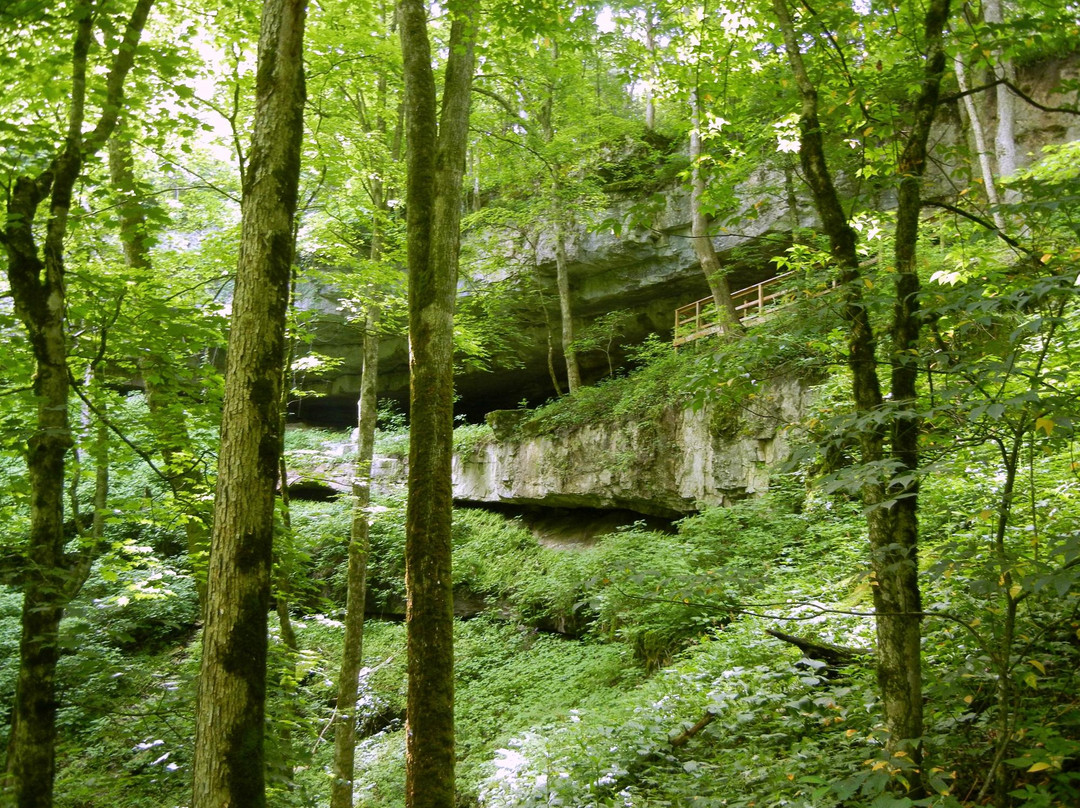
(229,763)
(341,795)
(38,289)
(891,503)
(435,149)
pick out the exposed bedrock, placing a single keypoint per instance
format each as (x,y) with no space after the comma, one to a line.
(591,475)
(686,460)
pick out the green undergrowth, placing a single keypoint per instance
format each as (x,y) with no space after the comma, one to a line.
(645,393)
(508,679)
(468,437)
(588,662)
(583,665)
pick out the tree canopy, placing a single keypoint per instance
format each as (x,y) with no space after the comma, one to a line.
(206,234)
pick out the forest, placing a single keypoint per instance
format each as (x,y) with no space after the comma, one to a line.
(285,285)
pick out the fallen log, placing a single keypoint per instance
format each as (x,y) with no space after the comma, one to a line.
(835,656)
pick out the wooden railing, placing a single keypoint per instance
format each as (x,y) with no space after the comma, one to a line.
(698,319)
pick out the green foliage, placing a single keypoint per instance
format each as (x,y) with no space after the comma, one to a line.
(146,606)
(602,334)
(10,631)
(643,164)
(303,438)
(654,630)
(774,724)
(492,554)
(322,530)
(469,437)
(651,591)
(127,721)
(803,343)
(644,396)
(392,436)
(509,679)
(544,718)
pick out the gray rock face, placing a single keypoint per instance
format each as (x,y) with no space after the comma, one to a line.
(649,272)
(689,459)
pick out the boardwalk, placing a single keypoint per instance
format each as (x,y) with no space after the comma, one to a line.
(698,319)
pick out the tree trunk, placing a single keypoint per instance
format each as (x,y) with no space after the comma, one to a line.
(170,421)
(650,48)
(558,216)
(38,290)
(341,795)
(229,763)
(31,748)
(546,125)
(897,597)
(436,164)
(1005,133)
(727,318)
(346,718)
(891,507)
(566,309)
(981,150)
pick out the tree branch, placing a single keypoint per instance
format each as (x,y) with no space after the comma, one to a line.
(143,455)
(683,737)
(1015,91)
(979,220)
(13,390)
(834,655)
(506,105)
(114,83)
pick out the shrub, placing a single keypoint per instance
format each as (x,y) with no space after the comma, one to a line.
(469,437)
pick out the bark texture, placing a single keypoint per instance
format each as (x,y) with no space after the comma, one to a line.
(891,502)
(895,553)
(341,794)
(436,164)
(229,764)
(38,289)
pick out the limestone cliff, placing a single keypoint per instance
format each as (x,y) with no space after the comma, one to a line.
(672,467)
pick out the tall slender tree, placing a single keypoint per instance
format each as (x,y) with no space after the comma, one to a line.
(183,477)
(1005,73)
(357,223)
(435,160)
(341,794)
(547,114)
(727,318)
(888,436)
(38,286)
(229,765)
